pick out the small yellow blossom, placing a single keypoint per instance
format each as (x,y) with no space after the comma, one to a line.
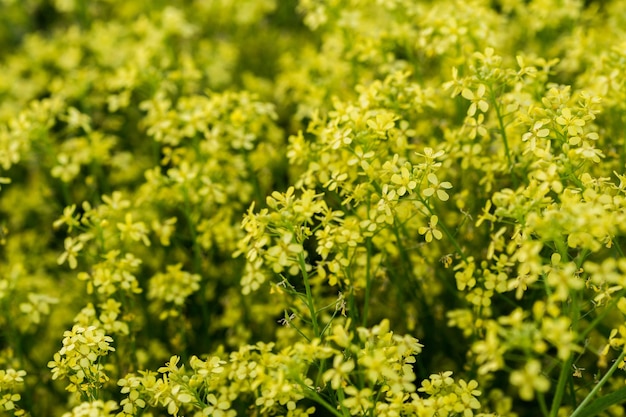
(72,248)
(477,99)
(404,180)
(530,380)
(437,187)
(431,230)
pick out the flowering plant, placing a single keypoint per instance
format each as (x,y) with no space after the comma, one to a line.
(312,207)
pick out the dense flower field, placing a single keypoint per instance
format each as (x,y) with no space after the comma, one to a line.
(312,207)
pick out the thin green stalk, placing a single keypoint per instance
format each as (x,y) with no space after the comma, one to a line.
(197,259)
(609,308)
(309,295)
(65,191)
(560,388)
(599,385)
(352,309)
(572,390)
(254,179)
(197,252)
(327,326)
(505,140)
(342,397)
(318,398)
(297,329)
(412,288)
(622,156)
(565,374)
(368,282)
(542,404)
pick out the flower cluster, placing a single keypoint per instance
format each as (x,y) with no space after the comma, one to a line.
(94,408)
(80,360)
(281,381)
(11,382)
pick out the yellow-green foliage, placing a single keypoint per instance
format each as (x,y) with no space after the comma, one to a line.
(312,207)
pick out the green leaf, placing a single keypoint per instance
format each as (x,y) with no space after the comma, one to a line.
(604,402)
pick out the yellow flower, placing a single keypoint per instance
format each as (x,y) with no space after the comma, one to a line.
(530,380)
(382,123)
(72,247)
(431,231)
(477,99)
(359,401)
(404,180)
(339,374)
(571,124)
(437,187)
(134,231)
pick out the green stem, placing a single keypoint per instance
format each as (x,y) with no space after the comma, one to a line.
(254,179)
(622,156)
(599,385)
(572,391)
(309,295)
(565,376)
(66,193)
(542,404)
(609,308)
(560,388)
(341,398)
(352,309)
(297,329)
(505,140)
(368,282)
(197,260)
(327,326)
(316,397)
(197,252)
